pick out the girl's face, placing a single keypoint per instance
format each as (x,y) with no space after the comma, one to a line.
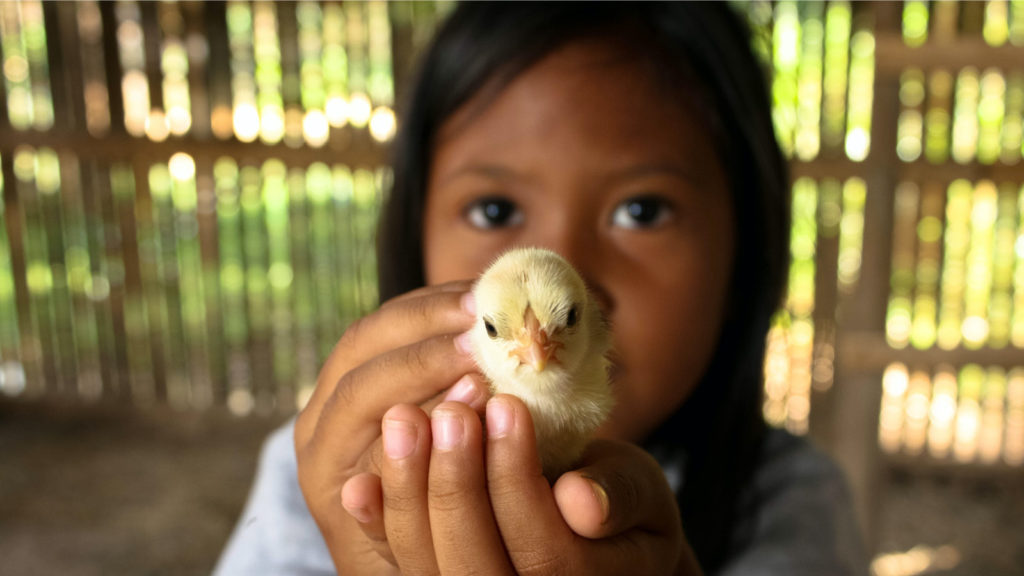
(586,155)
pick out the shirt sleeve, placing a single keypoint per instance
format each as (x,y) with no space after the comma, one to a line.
(276,533)
(798,518)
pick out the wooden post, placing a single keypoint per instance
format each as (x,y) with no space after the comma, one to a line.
(858,392)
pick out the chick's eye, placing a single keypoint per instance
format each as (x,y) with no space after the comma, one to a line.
(641,212)
(493,213)
(491,330)
(570,321)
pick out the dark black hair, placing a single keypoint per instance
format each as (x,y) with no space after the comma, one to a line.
(720,426)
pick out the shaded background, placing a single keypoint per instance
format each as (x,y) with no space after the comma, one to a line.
(189,197)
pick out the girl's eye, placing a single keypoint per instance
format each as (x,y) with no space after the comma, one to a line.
(642,212)
(493,213)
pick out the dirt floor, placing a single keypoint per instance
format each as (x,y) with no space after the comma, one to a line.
(107,491)
(102,491)
(971,522)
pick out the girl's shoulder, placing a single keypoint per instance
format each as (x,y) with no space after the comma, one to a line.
(796,515)
(276,533)
(786,458)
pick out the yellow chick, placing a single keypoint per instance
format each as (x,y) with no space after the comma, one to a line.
(539,335)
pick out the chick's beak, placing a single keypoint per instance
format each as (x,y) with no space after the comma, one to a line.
(535,347)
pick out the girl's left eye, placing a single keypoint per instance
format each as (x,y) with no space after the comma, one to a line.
(488,213)
(641,212)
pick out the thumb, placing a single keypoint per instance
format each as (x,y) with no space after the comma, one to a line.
(619,487)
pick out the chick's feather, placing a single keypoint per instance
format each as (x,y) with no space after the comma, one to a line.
(540,335)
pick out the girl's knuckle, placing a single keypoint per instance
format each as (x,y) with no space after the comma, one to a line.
(401,502)
(346,393)
(538,560)
(446,496)
(352,333)
(418,359)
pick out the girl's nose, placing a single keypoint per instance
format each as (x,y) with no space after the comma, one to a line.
(582,247)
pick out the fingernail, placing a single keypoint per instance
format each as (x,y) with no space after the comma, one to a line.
(463,343)
(463,391)
(468,303)
(499,417)
(602,499)
(362,515)
(399,439)
(447,428)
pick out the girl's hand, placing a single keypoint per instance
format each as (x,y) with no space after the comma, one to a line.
(455,502)
(406,352)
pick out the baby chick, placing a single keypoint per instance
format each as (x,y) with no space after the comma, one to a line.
(539,335)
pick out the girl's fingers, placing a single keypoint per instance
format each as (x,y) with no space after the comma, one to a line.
(466,538)
(404,352)
(398,324)
(349,421)
(617,488)
(536,538)
(620,501)
(406,433)
(472,390)
(362,494)
(454,286)
(362,498)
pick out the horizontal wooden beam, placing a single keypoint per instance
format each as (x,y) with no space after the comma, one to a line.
(866,353)
(923,171)
(925,465)
(347,146)
(358,150)
(892,55)
(918,171)
(819,169)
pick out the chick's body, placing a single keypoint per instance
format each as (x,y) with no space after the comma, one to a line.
(539,335)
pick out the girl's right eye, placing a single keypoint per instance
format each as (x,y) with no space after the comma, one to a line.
(489,213)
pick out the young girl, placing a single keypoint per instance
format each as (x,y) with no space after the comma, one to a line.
(636,141)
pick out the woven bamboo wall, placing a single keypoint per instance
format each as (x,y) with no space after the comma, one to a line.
(190,190)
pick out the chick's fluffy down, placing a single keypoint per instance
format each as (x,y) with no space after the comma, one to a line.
(539,335)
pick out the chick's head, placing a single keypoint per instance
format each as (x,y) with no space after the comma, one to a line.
(535,320)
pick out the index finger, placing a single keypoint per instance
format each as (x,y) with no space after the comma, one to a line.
(410,318)
(454,286)
(349,420)
(433,312)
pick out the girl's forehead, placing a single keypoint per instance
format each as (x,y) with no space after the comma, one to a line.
(594,81)
(577,107)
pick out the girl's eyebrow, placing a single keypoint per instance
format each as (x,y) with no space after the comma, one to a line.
(643,170)
(495,172)
(504,174)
